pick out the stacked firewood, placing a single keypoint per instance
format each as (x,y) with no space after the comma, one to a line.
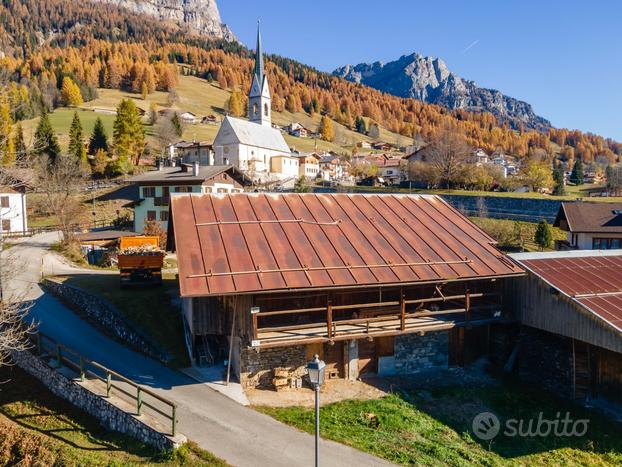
(141,250)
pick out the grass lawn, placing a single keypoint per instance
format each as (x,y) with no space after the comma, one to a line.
(149,308)
(38,428)
(434,428)
(514,234)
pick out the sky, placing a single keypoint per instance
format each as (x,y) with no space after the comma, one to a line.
(562,57)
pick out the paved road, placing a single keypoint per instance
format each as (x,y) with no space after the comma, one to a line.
(235,433)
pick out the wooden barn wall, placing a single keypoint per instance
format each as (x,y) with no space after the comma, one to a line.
(534,304)
(213,315)
(610,374)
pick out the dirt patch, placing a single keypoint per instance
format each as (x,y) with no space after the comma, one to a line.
(332,391)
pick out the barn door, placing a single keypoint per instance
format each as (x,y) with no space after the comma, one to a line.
(368,359)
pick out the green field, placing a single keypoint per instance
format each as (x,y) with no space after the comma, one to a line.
(40,429)
(148,308)
(433,427)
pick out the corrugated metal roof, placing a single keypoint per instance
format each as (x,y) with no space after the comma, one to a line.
(595,282)
(241,243)
(234,130)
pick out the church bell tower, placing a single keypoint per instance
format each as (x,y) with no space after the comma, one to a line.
(259,101)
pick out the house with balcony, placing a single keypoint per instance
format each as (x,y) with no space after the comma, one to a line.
(309,165)
(590,225)
(373,284)
(156,187)
(13,214)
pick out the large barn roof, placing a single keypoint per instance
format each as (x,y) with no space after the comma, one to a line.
(592,279)
(257,243)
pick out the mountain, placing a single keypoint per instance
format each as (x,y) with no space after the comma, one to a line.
(428,79)
(201,16)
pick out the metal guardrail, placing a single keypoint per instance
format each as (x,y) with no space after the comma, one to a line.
(44,345)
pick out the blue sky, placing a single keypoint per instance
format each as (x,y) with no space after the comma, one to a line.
(563,57)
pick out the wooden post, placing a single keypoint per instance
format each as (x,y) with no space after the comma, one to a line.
(174,421)
(82,368)
(329,318)
(467,306)
(402,311)
(108,384)
(139,401)
(255,321)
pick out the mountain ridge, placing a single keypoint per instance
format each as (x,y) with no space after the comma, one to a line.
(201,16)
(428,79)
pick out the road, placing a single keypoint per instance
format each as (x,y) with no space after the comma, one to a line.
(238,434)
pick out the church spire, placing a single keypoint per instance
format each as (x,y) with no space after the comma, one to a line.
(259,65)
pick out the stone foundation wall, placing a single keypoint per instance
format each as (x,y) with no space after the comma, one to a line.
(104,316)
(110,416)
(415,353)
(256,367)
(545,360)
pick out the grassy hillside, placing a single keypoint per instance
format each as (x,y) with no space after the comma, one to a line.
(37,428)
(201,98)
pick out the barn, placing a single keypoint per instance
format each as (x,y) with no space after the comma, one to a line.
(378,284)
(570,309)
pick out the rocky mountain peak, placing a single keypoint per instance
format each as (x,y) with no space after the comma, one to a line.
(201,16)
(430,80)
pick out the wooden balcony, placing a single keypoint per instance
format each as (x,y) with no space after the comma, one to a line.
(376,319)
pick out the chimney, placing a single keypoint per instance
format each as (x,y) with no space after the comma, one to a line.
(195,169)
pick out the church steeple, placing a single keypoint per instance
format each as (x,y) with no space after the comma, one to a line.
(259,101)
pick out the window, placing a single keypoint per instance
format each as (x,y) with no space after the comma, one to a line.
(255,109)
(149,192)
(151,215)
(4,201)
(6,224)
(266,109)
(606,243)
(183,189)
(164,216)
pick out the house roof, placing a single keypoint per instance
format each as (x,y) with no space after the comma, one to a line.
(172,175)
(192,144)
(234,130)
(591,279)
(258,243)
(100,235)
(591,217)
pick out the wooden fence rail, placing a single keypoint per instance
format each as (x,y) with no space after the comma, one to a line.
(142,397)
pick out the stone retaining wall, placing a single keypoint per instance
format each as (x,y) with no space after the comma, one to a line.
(106,318)
(110,416)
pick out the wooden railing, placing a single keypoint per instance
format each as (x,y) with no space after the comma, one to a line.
(98,224)
(385,311)
(45,346)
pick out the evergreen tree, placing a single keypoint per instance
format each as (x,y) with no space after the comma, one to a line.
(559,188)
(76,140)
(361,126)
(326,130)
(19,145)
(128,136)
(70,93)
(46,143)
(99,138)
(301,186)
(544,235)
(577,175)
(177,126)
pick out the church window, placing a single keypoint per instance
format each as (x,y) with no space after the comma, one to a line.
(255,109)
(266,110)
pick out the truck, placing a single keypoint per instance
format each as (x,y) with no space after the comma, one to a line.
(140,260)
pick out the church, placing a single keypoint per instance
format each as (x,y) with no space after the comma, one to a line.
(253,145)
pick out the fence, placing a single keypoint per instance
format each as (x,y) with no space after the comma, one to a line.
(142,398)
(100,224)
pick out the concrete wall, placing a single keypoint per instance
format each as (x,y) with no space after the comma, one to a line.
(415,353)
(110,416)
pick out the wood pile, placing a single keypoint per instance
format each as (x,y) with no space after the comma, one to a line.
(284,379)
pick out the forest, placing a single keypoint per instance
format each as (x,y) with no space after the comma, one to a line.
(102,46)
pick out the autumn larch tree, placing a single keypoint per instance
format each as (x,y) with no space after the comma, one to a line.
(128,136)
(326,129)
(70,93)
(236,103)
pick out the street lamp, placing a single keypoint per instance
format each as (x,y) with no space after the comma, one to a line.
(315,370)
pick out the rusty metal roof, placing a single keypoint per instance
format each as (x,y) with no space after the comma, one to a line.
(251,242)
(594,282)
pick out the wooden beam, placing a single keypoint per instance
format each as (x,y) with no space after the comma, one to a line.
(329,318)
(402,310)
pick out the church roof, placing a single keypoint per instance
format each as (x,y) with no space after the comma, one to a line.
(235,130)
